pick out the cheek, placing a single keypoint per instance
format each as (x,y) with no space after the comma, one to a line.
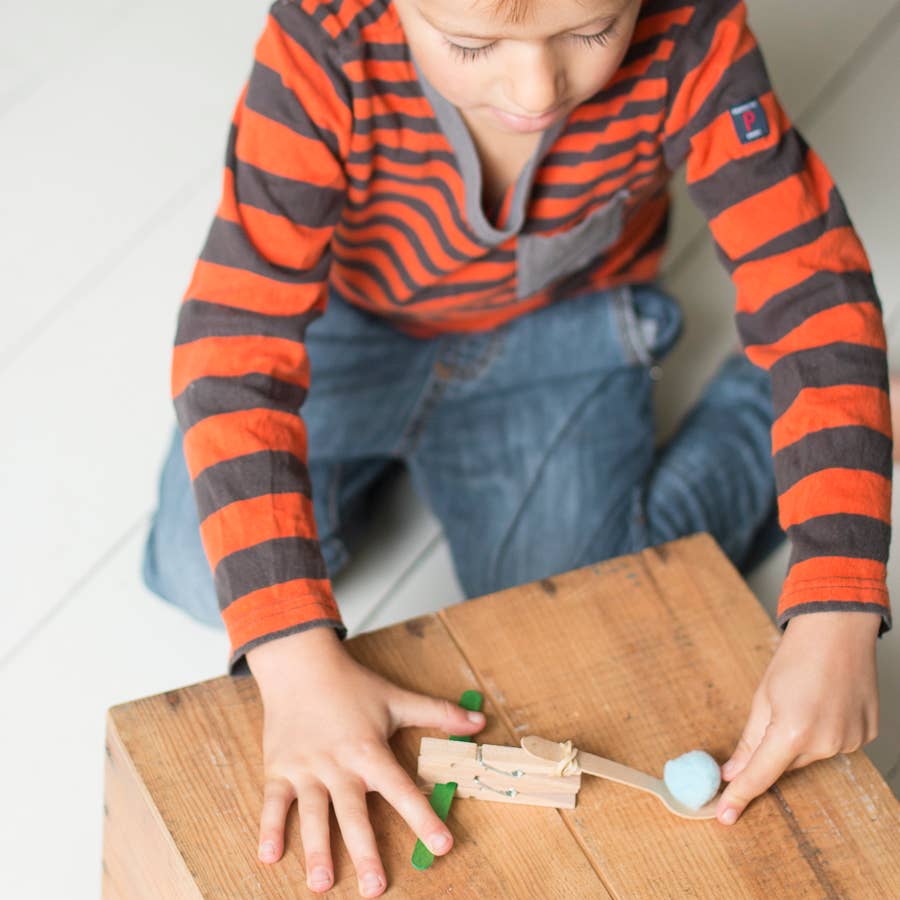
(586,79)
(455,80)
(458,82)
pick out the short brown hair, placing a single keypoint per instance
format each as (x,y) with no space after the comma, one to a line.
(515,11)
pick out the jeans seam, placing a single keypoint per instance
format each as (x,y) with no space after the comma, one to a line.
(432,392)
(478,366)
(638,526)
(636,535)
(494,568)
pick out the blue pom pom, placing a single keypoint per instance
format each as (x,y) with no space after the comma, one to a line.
(693,778)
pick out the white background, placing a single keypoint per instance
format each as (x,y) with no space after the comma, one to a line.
(113,121)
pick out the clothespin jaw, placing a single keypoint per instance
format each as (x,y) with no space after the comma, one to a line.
(494,772)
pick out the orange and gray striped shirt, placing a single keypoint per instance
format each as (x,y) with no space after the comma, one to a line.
(344,167)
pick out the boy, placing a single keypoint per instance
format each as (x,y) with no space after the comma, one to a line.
(477,192)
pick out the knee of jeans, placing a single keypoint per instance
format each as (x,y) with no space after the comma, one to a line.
(335,554)
(523,558)
(181,581)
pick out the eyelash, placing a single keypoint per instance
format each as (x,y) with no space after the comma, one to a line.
(469,54)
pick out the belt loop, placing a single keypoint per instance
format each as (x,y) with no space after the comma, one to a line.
(631,329)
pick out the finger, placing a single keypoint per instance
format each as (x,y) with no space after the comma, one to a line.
(393,783)
(312,805)
(411,709)
(349,799)
(871,723)
(278,795)
(771,758)
(754,729)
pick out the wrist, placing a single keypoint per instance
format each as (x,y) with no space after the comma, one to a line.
(862,622)
(272,662)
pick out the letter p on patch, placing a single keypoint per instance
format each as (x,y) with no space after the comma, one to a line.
(750,121)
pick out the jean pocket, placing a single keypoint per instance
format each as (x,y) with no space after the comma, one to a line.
(650,322)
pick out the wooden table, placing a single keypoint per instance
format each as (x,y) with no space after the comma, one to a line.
(638,659)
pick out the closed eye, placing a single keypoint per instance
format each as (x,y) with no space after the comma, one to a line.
(601,38)
(470,54)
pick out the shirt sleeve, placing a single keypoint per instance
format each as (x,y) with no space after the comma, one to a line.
(240,371)
(807,310)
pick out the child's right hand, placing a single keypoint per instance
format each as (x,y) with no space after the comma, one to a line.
(327,724)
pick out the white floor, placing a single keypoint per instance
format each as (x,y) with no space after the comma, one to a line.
(113,119)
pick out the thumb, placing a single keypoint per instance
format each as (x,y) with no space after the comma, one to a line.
(409,708)
(771,758)
(754,731)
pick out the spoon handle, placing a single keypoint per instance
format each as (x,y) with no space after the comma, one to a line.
(606,768)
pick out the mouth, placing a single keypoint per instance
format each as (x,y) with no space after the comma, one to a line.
(529,123)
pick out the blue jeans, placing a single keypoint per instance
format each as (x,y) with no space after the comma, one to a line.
(532,443)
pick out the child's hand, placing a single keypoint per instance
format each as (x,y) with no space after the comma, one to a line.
(818,698)
(327,724)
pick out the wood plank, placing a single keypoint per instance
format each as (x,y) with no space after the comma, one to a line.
(198,752)
(641,659)
(129,820)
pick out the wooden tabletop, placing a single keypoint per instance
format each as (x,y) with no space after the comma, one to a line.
(638,659)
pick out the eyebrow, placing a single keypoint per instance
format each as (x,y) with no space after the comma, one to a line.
(599,20)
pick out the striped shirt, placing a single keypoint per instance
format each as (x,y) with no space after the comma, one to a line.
(345,167)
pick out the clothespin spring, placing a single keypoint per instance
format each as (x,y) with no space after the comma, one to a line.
(509,792)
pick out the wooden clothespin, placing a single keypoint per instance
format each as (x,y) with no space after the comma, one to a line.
(498,773)
(442,794)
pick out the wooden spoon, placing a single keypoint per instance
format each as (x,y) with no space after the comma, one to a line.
(606,768)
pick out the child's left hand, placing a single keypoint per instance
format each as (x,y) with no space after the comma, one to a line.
(817,698)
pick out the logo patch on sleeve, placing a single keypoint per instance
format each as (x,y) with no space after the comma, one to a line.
(750,121)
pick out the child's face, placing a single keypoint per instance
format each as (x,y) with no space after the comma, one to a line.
(518,78)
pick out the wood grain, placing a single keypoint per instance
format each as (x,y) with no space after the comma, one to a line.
(641,659)
(198,753)
(638,659)
(140,859)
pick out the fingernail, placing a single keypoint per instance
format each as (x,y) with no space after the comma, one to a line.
(371,883)
(267,850)
(439,842)
(319,877)
(729,817)
(476,718)
(728,768)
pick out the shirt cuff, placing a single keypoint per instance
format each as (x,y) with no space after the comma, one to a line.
(278,611)
(835,595)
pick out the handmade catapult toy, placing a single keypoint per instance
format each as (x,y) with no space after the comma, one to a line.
(501,774)
(548,773)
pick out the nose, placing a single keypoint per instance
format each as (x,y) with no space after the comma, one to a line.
(536,82)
